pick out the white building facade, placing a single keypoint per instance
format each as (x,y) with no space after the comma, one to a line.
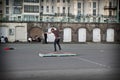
(61,10)
(16,14)
(14,31)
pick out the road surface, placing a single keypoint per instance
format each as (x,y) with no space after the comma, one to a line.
(93,62)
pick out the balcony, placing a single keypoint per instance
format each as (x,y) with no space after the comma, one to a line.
(64,14)
(31,1)
(41,14)
(60,14)
(70,18)
(110,7)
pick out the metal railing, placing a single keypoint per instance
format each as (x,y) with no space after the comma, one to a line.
(110,7)
(71,18)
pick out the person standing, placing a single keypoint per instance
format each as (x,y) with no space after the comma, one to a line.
(2,39)
(57,39)
(45,38)
(29,39)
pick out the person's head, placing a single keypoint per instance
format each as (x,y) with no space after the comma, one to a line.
(52,29)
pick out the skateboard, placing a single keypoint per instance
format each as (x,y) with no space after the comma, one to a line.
(56,54)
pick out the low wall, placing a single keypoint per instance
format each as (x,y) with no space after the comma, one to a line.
(88,26)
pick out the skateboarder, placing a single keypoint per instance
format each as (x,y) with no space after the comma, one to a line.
(57,38)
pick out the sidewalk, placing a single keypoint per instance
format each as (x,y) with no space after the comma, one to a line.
(95,62)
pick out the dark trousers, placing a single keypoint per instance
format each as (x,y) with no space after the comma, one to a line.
(56,42)
(45,40)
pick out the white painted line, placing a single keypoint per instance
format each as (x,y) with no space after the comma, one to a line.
(101,51)
(55,55)
(93,62)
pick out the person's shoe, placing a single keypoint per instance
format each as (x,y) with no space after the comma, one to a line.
(55,51)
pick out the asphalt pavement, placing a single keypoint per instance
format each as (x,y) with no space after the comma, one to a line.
(94,61)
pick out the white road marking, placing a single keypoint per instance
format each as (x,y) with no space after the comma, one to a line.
(101,51)
(83,59)
(56,55)
(93,62)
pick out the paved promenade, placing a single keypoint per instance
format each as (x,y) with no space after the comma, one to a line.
(93,62)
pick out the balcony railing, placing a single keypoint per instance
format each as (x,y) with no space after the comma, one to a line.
(72,18)
(110,7)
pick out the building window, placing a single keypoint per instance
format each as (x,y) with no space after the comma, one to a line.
(47,1)
(79,12)
(34,1)
(79,15)
(0,11)
(63,10)
(52,1)
(53,9)
(79,5)
(89,4)
(30,17)
(17,10)
(58,0)
(94,19)
(110,13)
(7,10)
(7,2)
(94,9)
(19,18)
(68,11)
(58,9)
(42,8)
(68,1)
(17,2)
(31,8)
(94,4)
(47,10)
(110,4)
(0,2)
(63,1)
(42,0)
(11,32)
(94,12)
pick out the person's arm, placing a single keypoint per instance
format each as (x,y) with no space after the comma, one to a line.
(48,32)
